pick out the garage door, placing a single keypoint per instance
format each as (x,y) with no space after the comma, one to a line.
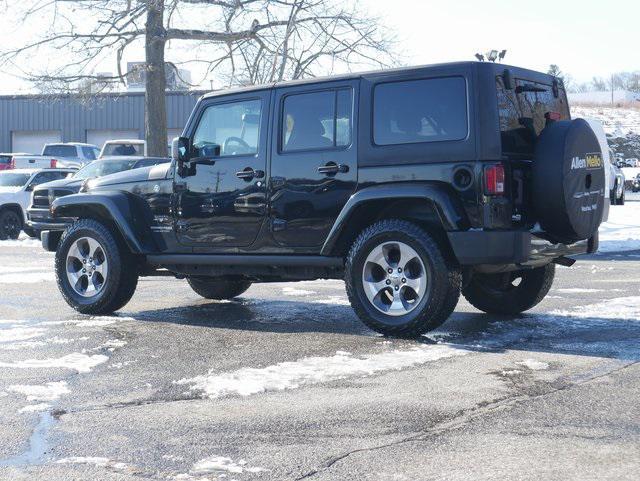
(32,141)
(99,137)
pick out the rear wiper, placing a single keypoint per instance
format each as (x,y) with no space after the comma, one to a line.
(529,88)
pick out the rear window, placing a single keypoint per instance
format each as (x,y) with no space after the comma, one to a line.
(123,149)
(416,111)
(60,151)
(523,114)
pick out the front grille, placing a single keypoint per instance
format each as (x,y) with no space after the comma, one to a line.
(41,197)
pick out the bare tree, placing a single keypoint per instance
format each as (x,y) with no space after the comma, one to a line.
(238,41)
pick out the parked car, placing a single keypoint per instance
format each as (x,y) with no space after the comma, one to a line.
(617,195)
(72,155)
(123,147)
(38,216)
(6,161)
(435,175)
(15,195)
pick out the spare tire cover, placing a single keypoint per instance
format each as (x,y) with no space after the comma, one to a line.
(568,181)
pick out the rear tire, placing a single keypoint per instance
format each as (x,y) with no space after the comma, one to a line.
(497,294)
(217,289)
(398,281)
(10,224)
(88,245)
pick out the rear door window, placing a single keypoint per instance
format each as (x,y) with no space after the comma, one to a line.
(523,114)
(5,159)
(89,153)
(316,120)
(416,111)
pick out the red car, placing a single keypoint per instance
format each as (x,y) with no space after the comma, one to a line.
(5,161)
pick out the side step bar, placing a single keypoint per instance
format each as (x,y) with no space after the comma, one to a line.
(244,260)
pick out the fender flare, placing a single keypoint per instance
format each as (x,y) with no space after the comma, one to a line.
(448,207)
(128,212)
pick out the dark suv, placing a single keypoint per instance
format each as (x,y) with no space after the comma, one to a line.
(412,185)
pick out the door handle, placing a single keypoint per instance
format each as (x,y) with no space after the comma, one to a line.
(331,168)
(249,173)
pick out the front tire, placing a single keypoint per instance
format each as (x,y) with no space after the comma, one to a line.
(509,293)
(398,281)
(96,274)
(10,225)
(217,289)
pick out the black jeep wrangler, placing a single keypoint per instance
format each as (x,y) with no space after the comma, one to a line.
(412,185)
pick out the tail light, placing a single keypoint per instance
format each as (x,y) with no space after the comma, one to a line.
(494,179)
(12,164)
(54,163)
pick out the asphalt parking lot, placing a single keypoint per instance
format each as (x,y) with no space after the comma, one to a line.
(285,383)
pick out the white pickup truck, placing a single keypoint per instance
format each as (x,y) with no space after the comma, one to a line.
(15,196)
(73,155)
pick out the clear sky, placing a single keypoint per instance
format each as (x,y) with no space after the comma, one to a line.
(585,38)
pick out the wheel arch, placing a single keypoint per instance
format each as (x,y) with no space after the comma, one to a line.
(430,205)
(119,210)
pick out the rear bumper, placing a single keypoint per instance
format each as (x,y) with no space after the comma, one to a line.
(512,247)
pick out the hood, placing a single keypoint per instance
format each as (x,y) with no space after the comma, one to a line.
(55,184)
(143,174)
(9,190)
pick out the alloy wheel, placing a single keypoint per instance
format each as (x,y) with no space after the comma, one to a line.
(87,267)
(394,278)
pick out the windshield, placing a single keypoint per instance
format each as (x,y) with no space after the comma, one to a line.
(105,167)
(13,180)
(123,149)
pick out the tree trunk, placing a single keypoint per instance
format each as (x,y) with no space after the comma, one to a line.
(155,82)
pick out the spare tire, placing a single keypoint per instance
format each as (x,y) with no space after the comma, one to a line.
(568,181)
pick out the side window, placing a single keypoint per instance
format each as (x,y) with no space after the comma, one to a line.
(89,153)
(233,128)
(415,111)
(316,120)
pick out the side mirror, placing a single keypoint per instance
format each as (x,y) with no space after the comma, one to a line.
(181,149)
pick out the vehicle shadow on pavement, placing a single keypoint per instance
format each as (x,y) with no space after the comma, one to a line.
(263,315)
(615,338)
(532,332)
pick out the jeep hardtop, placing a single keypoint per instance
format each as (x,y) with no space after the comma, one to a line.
(413,185)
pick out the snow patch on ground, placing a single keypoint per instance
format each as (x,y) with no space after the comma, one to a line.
(76,361)
(47,392)
(18,346)
(533,364)
(334,300)
(314,370)
(34,408)
(95,461)
(622,231)
(98,321)
(577,290)
(292,291)
(221,464)
(617,308)
(20,333)
(22,241)
(27,277)
(615,121)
